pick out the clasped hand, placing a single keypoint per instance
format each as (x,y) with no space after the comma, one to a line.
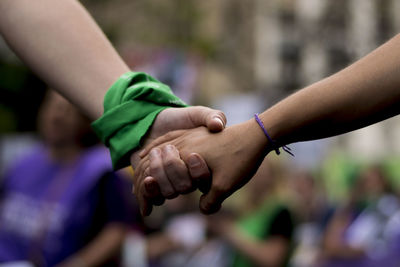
(170,165)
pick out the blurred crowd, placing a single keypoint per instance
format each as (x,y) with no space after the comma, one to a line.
(283,217)
(61,205)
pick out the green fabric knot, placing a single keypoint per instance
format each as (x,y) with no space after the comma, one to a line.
(130,107)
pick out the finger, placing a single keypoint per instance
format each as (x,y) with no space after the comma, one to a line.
(209,204)
(212,201)
(143,197)
(176,170)
(215,120)
(199,172)
(144,206)
(139,174)
(152,191)
(146,209)
(142,169)
(144,203)
(157,171)
(149,195)
(160,140)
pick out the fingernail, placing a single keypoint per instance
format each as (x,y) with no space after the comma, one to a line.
(218,119)
(169,148)
(194,161)
(155,152)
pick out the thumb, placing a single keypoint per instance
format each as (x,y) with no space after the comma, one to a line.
(211,201)
(199,171)
(215,120)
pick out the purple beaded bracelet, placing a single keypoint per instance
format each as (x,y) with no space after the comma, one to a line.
(274,144)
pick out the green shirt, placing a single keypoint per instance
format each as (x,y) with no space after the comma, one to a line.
(272,218)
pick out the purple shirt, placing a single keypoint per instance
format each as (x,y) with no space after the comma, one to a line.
(49,210)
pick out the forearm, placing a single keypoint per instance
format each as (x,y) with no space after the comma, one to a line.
(342,251)
(363,93)
(104,246)
(160,244)
(333,243)
(61,42)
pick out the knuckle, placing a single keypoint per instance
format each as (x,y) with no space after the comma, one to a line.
(170,162)
(167,193)
(167,190)
(154,169)
(184,187)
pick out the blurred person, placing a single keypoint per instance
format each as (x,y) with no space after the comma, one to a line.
(355,236)
(178,237)
(312,211)
(308,196)
(74,57)
(61,205)
(262,235)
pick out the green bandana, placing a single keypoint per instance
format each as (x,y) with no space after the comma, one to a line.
(130,107)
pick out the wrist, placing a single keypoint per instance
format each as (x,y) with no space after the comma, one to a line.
(277,125)
(273,144)
(256,140)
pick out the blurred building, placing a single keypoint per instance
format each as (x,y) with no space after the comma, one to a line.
(299,42)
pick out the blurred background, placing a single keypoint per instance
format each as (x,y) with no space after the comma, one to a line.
(242,56)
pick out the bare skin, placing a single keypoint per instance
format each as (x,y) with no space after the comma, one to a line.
(106,245)
(62,43)
(364,93)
